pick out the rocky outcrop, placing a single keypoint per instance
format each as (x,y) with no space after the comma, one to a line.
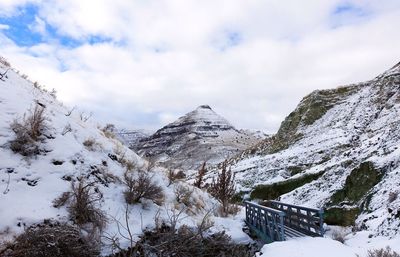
(347,135)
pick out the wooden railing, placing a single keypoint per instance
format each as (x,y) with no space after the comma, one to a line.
(268,223)
(308,221)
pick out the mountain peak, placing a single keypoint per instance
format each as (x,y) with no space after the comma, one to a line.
(205,106)
(394,71)
(198,136)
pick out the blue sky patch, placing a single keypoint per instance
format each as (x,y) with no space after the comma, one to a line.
(20,31)
(348,14)
(227,39)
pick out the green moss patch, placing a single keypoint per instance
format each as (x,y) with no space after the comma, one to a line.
(358,183)
(341,216)
(273,191)
(356,193)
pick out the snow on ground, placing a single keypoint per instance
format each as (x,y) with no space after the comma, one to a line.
(355,245)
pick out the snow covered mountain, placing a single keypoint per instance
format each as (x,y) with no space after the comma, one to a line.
(132,137)
(47,150)
(339,149)
(199,136)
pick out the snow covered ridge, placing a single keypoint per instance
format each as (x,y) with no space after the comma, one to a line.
(199,136)
(71,148)
(339,149)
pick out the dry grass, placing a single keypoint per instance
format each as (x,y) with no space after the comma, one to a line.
(183,194)
(174,175)
(91,144)
(29,132)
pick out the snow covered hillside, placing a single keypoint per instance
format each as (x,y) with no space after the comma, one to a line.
(339,149)
(199,136)
(68,148)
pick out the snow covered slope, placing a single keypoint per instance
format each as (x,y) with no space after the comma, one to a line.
(339,149)
(71,148)
(199,136)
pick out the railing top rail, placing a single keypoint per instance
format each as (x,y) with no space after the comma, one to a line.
(267,209)
(298,207)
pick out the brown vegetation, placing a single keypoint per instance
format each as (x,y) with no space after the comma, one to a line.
(224,189)
(29,132)
(52,239)
(141,187)
(82,203)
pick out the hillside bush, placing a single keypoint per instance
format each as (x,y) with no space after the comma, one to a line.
(82,203)
(223,188)
(183,194)
(91,144)
(186,242)
(387,252)
(29,132)
(175,175)
(141,187)
(52,239)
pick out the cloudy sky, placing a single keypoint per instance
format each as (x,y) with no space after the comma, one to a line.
(143,63)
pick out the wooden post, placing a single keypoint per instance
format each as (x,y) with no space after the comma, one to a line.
(282,229)
(321,222)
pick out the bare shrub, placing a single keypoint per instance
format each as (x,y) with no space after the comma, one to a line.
(70,111)
(392,196)
(387,252)
(187,242)
(52,239)
(82,203)
(66,129)
(183,194)
(91,144)
(200,176)
(103,175)
(224,188)
(141,187)
(29,132)
(85,117)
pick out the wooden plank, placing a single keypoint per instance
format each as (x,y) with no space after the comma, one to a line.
(289,232)
(295,206)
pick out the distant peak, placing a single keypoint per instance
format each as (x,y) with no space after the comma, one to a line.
(396,66)
(204,107)
(394,71)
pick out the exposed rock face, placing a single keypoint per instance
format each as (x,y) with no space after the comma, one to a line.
(201,135)
(336,133)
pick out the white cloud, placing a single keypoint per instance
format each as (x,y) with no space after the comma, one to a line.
(162,60)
